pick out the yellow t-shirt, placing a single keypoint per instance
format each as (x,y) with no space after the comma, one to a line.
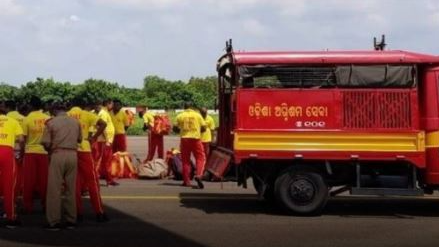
(33,128)
(17,116)
(189,122)
(108,135)
(206,136)
(87,120)
(120,121)
(148,119)
(9,130)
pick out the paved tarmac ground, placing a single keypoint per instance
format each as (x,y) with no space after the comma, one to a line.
(161,213)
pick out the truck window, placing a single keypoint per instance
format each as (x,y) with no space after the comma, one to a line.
(286,77)
(350,76)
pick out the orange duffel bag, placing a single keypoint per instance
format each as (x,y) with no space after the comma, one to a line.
(122,166)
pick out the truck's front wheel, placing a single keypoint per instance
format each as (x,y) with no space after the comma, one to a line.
(301,192)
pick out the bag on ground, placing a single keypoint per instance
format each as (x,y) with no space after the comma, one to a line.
(122,166)
(154,169)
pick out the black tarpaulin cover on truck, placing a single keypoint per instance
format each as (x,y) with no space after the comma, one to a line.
(369,76)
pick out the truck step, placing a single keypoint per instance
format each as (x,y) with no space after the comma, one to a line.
(386,191)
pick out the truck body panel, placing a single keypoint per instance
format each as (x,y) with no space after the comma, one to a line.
(300,123)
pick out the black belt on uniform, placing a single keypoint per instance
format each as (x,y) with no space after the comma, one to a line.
(64,149)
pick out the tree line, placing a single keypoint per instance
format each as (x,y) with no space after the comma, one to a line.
(156,93)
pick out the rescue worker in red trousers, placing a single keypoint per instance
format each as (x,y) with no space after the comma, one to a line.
(86,178)
(36,160)
(155,141)
(11,107)
(191,124)
(10,133)
(105,142)
(121,124)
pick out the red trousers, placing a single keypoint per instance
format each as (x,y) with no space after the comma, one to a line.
(35,175)
(7,178)
(19,176)
(87,180)
(106,152)
(155,142)
(120,143)
(95,152)
(206,146)
(190,146)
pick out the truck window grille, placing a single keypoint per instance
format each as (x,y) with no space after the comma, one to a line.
(279,77)
(376,109)
(329,76)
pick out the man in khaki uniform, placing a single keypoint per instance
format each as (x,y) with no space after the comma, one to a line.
(61,138)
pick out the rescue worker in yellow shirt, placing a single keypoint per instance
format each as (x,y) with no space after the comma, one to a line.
(121,123)
(191,124)
(10,133)
(206,136)
(87,178)
(105,143)
(11,107)
(36,159)
(155,141)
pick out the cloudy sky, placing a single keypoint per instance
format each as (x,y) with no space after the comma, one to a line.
(124,40)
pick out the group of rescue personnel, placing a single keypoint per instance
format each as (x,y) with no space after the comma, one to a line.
(61,149)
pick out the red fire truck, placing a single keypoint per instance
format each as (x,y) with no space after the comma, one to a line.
(309,125)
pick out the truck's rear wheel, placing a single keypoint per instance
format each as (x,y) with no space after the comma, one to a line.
(301,192)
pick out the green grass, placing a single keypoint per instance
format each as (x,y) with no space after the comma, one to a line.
(137,128)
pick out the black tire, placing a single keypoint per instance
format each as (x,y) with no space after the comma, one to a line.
(269,191)
(301,192)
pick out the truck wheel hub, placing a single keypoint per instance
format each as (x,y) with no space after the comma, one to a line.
(302,190)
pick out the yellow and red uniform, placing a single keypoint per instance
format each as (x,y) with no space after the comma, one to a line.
(105,146)
(120,121)
(86,178)
(206,136)
(19,180)
(36,160)
(190,122)
(155,141)
(9,130)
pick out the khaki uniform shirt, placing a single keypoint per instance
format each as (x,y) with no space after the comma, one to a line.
(62,132)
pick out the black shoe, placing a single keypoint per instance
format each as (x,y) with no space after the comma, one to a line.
(54,228)
(12,224)
(70,226)
(199,183)
(102,218)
